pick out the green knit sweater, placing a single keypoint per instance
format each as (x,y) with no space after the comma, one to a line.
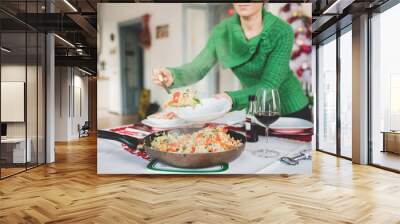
(262,61)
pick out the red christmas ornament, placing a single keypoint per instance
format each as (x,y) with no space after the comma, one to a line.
(299,72)
(296,54)
(285,8)
(292,19)
(306,48)
(231,12)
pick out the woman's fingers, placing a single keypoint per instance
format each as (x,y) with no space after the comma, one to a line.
(156,77)
(162,76)
(166,77)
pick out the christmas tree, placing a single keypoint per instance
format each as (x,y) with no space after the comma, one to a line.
(294,14)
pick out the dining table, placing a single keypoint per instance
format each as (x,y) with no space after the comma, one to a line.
(113,157)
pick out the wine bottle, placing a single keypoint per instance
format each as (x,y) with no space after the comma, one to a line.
(250,126)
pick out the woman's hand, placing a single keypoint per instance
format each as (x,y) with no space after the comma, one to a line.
(226,97)
(162,77)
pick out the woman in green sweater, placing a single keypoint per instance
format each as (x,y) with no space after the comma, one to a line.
(256,46)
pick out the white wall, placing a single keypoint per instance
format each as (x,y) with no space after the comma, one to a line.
(103,94)
(66,101)
(17,73)
(80,83)
(162,53)
(61,103)
(196,24)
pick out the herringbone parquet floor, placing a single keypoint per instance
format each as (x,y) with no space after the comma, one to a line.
(70,191)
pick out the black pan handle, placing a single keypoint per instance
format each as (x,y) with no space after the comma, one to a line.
(131,142)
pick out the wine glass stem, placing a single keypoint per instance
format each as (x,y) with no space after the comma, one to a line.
(266,140)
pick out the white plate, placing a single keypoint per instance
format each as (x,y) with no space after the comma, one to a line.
(291,123)
(231,118)
(209,109)
(165,126)
(164,122)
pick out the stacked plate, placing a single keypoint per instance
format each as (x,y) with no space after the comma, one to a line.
(291,126)
(208,110)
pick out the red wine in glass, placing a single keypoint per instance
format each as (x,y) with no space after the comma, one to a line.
(267,118)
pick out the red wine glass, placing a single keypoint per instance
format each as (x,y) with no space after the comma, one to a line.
(268,110)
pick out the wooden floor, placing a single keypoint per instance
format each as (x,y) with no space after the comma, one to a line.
(386,159)
(70,191)
(11,170)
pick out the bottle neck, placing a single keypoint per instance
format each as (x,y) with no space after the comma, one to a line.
(250,109)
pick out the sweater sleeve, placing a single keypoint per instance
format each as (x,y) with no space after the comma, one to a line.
(276,70)
(194,71)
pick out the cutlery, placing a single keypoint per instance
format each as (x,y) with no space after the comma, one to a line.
(294,160)
(162,80)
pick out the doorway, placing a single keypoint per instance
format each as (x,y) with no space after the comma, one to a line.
(131,65)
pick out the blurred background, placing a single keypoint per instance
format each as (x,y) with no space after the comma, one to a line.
(133,39)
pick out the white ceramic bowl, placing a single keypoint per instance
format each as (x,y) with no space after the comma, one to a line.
(208,110)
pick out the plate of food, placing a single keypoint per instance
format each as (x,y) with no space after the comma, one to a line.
(190,108)
(194,147)
(164,120)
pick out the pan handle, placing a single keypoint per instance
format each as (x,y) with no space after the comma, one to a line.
(131,142)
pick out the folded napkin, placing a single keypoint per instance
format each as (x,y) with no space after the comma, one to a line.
(303,138)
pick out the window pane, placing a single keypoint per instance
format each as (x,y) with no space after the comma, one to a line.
(13,86)
(327,97)
(31,98)
(385,88)
(346,94)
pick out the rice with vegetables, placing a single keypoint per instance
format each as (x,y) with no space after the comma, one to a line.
(185,98)
(206,140)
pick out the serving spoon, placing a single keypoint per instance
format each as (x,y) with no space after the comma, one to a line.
(162,80)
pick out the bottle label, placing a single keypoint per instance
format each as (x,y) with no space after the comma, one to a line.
(247,126)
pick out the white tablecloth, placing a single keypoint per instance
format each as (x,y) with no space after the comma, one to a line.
(113,159)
